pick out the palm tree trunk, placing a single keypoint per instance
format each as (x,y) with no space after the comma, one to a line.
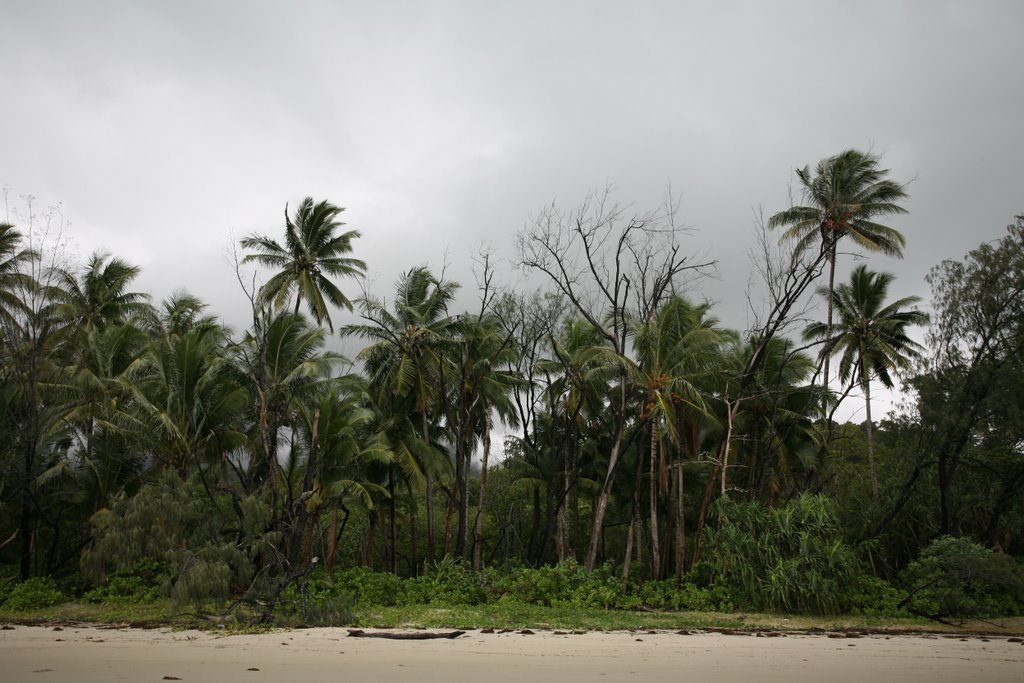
(702,516)
(828,323)
(332,543)
(730,415)
(414,560)
(597,525)
(653,490)
(392,531)
(628,558)
(478,531)
(871,448)
(371,538)
(430,491)
(680,558)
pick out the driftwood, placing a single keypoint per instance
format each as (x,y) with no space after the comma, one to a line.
(426,635)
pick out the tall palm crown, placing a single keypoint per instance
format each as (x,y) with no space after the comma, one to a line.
(405,357)
(99,294)
(311,253)
(845,195)
(13,279)
(870,336)
(405,353)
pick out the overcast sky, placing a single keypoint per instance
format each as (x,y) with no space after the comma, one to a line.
(164,128)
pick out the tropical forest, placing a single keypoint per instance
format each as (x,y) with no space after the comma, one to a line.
(593,442)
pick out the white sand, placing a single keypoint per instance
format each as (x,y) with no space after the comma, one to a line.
(85,654)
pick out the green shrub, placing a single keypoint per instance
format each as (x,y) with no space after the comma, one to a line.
(668,595)
(955,577)
(142,583)
(6,586)
(314,603)
(174,524)
(450,582)
(369,587)
(873,597)
(791,558)
(36,593)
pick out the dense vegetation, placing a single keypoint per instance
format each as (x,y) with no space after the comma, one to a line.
(651,457)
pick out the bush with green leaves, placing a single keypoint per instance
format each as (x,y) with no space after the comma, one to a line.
(208,547)
(369,587)
(669,595)
(873,597)
(316,601)
(955,577)
(141,583)
(790,558)
(35,593)
(449,582)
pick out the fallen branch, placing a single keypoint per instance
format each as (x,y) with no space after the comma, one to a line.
(357,633)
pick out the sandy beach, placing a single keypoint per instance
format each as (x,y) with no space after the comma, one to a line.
(85,654)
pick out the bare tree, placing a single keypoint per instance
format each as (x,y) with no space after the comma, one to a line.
(610,265)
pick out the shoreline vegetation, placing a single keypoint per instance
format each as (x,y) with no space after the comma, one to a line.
(655,469)
(519,617)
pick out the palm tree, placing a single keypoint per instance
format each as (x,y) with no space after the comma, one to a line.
(406,354)
(98,295)
(870,337)
(677,352)
(844,196)
(283,362)
(579,380)
(193,398)
(311,252)
(485,353)
(13,279)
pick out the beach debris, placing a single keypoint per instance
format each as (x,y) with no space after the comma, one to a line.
(427,635)
(253,668)
(171,678)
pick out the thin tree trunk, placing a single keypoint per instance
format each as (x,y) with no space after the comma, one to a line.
(730,413)
(332,543)
(449,510)
(572,504)
(531,546)
(653,491)
(392,531)
(307,520)
(680,557)
(828,323)
(634,514)
(702,517)
(478,532)
(597,525)
(371,538)
(424,425)
(414,561)
(871,447)
(628,559)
